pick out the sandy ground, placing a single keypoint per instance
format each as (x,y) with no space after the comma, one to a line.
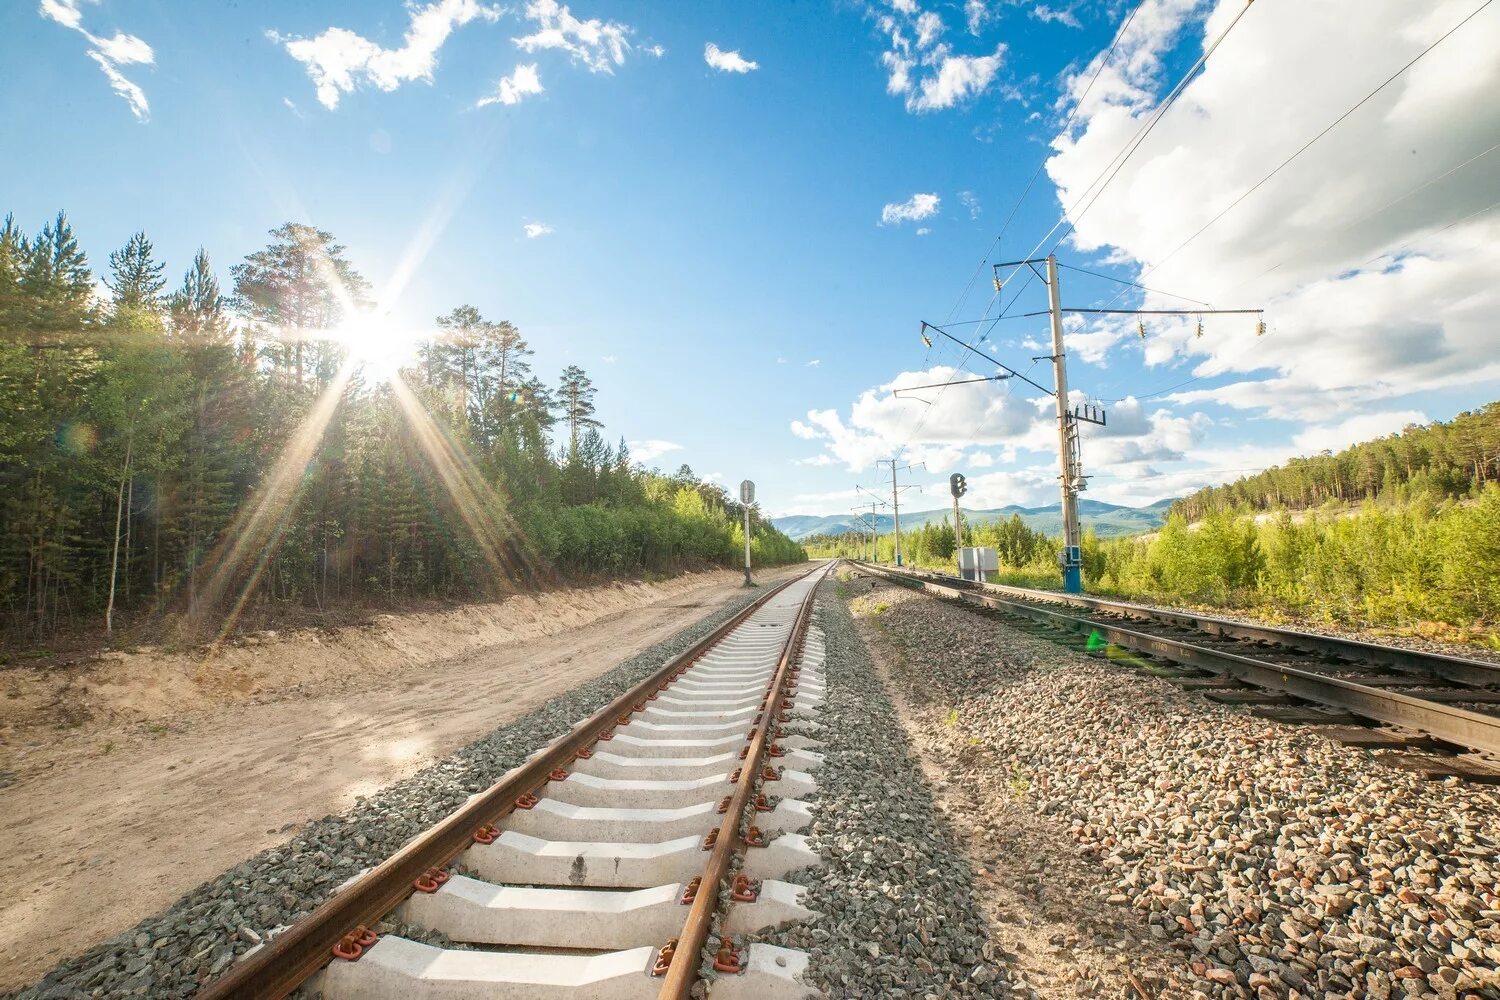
(183,768)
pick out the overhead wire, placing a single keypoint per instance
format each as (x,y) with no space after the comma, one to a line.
(1311,142)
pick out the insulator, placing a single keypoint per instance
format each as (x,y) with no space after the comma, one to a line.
(1140,328)
(1260,328)
(1200,329)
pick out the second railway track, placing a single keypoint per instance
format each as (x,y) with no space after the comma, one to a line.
(619,861)
(1442,713)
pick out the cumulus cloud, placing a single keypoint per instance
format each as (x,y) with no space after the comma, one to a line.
(523,81)
(1365,427)
(339,60)
(598,45)
(651,449)
(1377,282)
(936,428)
(727,62)
(109,54)
(914,209)
(535,229)
(924,70)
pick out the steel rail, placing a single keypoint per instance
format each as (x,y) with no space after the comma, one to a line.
(1461,670)
(1445,722)
(682,974)
(291,958)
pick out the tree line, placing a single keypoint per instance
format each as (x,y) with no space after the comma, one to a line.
(932,545)
(194,450)
(1446,458)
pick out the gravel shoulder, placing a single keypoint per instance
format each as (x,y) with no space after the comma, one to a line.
(1270,861)
(895,897)
(1049,913)
(167,807)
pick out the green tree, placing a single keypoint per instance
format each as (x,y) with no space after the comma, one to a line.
(575,395)
(296,288)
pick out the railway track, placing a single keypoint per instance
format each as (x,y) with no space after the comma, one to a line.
(619,861)
(1434,714)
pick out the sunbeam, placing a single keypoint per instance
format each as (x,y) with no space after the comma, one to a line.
(258,526)
(480,507)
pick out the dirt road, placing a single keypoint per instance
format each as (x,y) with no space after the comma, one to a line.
(111,822)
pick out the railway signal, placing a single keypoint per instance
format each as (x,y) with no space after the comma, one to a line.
(958,486)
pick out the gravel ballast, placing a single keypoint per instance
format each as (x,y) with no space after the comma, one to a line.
(175,952)
(894,896)
(1276,862)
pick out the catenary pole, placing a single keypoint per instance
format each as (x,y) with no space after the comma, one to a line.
(1066,432)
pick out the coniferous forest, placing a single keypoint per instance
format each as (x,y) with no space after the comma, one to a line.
(187,451)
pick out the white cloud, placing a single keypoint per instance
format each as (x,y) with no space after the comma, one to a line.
(815,362)
(914,209)
(1365,427)
(1376,253)
(970,201)
(727,62)
(923,231)
(957,79)
(522,81)
(609,359)
(109,53)
(655,51)
(649,450)
(339,60)
(929,27)
(1058,15)
(923,69)
(976,12)
(933,427)
(598,45)
(535,229)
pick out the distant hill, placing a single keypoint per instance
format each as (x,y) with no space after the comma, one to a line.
(1107,519)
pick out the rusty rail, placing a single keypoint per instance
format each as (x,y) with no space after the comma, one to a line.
(683,972)
(1460,670)
(291,958)
(1457,726)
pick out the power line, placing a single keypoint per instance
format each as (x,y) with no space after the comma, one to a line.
(1153,121)
(1120,158)
(1132,284)
(1072,114)
(1308,145)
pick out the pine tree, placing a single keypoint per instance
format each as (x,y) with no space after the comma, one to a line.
(575,395)
(58,281)
(299,285)
(136,276)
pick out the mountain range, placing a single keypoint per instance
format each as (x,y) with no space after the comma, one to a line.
(1108,520)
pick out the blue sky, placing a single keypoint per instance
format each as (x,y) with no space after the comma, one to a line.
(739,213)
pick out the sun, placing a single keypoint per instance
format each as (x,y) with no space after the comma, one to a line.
(376,344)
